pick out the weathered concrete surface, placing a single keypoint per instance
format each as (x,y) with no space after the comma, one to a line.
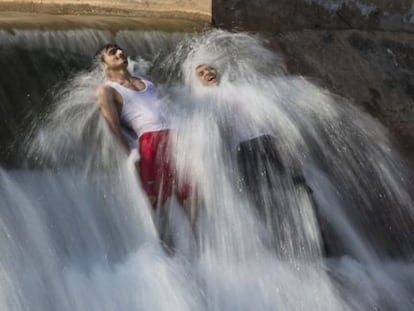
(375,70)
(133,6)
(23,20)
(286,15)
(101,14)
(164,15)
(347,45)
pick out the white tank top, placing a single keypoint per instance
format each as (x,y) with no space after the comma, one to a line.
(141,110)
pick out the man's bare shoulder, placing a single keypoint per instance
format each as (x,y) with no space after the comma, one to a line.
(107,95)
(105,89)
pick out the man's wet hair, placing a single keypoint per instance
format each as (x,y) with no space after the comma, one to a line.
(99,55)
(205,64)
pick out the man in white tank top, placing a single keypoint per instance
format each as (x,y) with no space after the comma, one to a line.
(133,102)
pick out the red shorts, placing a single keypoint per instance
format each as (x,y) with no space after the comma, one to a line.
(156,168)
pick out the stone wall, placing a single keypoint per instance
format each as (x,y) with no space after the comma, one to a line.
(286,15)
(360,49)
(374,70)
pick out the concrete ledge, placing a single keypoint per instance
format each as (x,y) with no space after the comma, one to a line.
(198,8)
(15,20)
(128,16)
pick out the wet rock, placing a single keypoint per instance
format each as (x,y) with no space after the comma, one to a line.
(375,93)
(401,52)
(344,45)
(286,15)
(408,85)
(374,70)
(328,38)
(362,44)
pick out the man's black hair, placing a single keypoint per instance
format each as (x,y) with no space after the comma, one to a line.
(99,54)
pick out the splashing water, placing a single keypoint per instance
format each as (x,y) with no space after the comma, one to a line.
(77,232)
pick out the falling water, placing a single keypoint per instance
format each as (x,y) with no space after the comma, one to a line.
(77,232)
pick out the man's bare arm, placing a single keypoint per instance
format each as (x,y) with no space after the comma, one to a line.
(107,104)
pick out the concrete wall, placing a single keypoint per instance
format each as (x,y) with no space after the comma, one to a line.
(286,15)
(190,6)
(360,49)
(114,15)
(374,70)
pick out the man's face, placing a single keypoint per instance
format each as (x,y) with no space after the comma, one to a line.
(207,75)
(115,58)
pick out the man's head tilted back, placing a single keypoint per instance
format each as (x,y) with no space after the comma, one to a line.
(112,56)
(207,75)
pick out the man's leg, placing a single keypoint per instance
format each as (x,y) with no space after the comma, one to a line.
(147,165)
(259,163)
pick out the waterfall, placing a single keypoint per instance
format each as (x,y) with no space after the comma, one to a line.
(331,229)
